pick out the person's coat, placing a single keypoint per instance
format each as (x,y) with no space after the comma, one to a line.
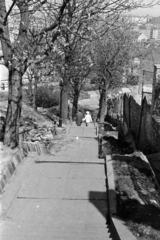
(79,118)
(87,118)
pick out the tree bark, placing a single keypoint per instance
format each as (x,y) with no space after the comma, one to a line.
(30,89)
(63,105)
(34,93)
(103,105)
(103,99)
(11,137)
(64,89)
(75,104)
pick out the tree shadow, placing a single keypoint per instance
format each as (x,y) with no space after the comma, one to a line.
(132,210)
(115,146)
(99,200)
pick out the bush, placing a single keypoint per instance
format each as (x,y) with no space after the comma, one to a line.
(132,80)
(54,111)
(90,87)
(46,97)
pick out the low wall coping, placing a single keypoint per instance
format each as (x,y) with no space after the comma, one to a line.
(10,164)
(118,226)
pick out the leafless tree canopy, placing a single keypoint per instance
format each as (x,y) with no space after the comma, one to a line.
(32,31)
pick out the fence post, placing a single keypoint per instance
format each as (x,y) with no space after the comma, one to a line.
(154,86)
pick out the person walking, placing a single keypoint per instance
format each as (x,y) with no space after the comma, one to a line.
(79,118)
(87,119)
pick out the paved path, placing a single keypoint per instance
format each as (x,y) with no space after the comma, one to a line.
(63,196)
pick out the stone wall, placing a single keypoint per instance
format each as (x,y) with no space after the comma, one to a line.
(10,160)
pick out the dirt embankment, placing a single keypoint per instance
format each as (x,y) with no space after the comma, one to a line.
(137,191)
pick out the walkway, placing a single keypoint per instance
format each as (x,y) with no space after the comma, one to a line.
(63,196)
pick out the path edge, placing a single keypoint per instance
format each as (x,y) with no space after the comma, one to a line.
(118,227)
(10,167)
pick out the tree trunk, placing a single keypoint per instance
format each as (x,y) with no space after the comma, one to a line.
(34,93)
(75,104)
(103,106)
(63,105)
(30,91)
(11,137)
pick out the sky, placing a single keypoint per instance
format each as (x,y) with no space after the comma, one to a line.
(152,11)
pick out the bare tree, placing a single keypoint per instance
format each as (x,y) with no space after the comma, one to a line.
(84,19)
(24,50)
(112,53)
(34,38)
(81,68)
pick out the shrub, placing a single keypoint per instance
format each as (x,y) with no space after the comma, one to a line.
(46,97)
(90,87)
(54,111)
(132,80)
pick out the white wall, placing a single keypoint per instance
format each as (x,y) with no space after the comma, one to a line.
(3,78)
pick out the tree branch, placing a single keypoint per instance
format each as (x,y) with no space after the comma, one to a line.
(56,23)
(9,11)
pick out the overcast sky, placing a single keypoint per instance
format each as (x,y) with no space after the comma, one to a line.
(152,11)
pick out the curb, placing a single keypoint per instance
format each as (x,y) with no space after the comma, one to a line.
(119,229)
(154,160)
(10,167)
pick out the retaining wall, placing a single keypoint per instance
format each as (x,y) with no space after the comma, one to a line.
(12,158)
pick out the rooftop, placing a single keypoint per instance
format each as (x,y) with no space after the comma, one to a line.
(155,20)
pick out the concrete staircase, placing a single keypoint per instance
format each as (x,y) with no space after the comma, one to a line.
(63,196)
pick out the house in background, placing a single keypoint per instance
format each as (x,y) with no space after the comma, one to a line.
(155,33)
(149,26)
(155,29)
(151,58)
(3,75)
(142,37)
(145,29)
